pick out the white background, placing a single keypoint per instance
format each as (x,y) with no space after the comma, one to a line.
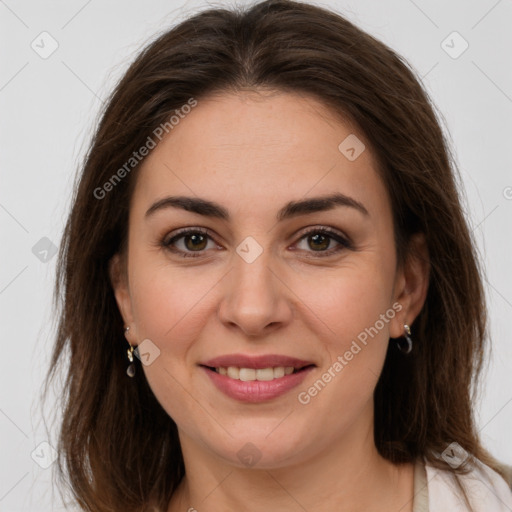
(48,110)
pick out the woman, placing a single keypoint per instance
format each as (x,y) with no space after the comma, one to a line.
(271,297)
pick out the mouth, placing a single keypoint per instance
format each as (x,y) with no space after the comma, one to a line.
(257,374)
(256,379)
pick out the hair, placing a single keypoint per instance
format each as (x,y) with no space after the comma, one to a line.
(118,446)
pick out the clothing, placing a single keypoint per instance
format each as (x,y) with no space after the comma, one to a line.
(435,490)
(420,503)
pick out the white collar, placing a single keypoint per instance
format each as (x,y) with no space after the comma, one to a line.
(487,490)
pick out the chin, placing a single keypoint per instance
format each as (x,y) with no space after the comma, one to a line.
(259,451)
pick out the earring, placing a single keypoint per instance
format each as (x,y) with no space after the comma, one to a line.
(407,336)
(130,371)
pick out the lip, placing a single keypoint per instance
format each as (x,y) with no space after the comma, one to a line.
(256,391)
(256,362)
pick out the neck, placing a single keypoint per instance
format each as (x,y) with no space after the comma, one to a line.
(348,476)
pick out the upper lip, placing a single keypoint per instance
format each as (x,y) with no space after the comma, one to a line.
(256,362)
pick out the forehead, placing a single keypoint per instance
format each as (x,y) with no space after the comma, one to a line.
(259,148)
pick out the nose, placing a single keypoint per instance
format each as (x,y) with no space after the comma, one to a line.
(255,297)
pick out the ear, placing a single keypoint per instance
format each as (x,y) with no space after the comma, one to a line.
(119,279)
(411,285)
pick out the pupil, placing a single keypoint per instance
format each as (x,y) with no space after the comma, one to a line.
(316,237)
(194,239)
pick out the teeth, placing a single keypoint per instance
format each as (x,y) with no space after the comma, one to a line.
(279,371)
(263,374)
(247,374)
(250,374)
(234,372)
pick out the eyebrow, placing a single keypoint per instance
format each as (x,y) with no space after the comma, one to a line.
(291,209)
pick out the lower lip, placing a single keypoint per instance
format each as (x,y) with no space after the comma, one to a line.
(257,390)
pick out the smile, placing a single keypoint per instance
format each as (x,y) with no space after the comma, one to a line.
(256,378)
(251,374)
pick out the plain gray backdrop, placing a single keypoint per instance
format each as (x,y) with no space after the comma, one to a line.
(51,88)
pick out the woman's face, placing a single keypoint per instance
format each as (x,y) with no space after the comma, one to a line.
(256,276)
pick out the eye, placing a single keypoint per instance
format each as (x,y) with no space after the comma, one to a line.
(193,242)
(321,240)
(188,241)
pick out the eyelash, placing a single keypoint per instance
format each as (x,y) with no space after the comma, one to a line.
(334,235)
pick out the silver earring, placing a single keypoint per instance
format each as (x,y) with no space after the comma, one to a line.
(407,335)
(130,371)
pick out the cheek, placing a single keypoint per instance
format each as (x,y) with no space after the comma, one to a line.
(169,310)
(357,311)
(353,312)
(167,305)
(349,302)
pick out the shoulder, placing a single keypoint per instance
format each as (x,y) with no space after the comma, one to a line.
(507,470)
(485,488)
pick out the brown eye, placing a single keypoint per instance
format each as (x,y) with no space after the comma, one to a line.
(188,241)
(321,241)
(195,241)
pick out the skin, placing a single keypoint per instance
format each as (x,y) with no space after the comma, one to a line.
(253,152)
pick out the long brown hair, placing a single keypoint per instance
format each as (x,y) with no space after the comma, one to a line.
(118,449)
